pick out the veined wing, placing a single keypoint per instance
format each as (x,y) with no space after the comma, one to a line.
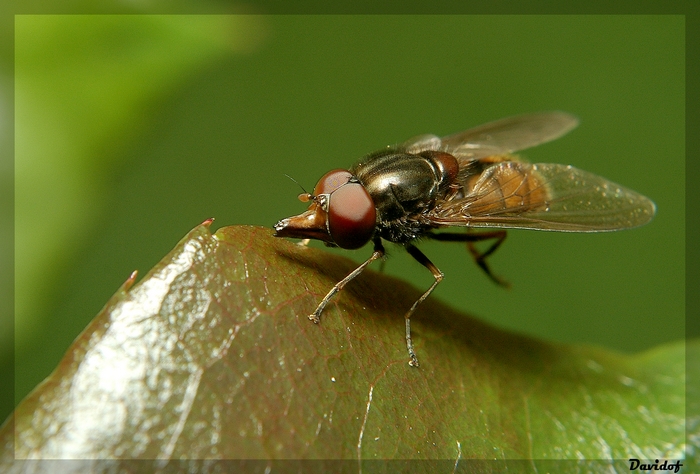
(497,138)
(554,197)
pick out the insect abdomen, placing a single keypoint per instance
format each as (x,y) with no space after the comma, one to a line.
(505,186)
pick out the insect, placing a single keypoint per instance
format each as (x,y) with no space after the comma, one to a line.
(468,180)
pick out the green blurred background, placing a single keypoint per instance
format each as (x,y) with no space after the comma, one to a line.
(131,130)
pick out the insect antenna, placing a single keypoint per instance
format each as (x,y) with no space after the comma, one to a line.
(302,187)
(305,196)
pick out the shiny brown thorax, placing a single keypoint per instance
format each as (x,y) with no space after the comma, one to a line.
(404,187)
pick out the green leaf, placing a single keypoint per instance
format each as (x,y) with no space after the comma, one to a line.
(211,355)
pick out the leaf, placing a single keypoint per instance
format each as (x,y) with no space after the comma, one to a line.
(211,355)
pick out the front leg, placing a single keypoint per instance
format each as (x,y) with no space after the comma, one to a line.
(378,253)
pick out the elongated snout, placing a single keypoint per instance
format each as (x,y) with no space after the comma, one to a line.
(311,224)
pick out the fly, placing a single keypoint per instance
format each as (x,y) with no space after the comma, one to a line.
(466,180)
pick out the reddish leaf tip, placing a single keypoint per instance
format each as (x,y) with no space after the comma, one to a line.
(130,281)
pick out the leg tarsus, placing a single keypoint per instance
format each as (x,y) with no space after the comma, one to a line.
(412,359)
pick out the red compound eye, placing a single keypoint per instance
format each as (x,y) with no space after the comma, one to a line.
(331,181)
(351,216)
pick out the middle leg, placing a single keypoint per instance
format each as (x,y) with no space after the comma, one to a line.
(423,260)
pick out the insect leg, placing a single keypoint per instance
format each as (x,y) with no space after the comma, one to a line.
(423,260)
(479,257)
(378,253)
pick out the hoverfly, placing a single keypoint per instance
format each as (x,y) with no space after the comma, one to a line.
(466,180)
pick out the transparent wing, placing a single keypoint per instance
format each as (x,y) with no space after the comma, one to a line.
(552,197)
(500,137)
(421,143)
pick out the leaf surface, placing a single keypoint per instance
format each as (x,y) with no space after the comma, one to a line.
(211,355)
